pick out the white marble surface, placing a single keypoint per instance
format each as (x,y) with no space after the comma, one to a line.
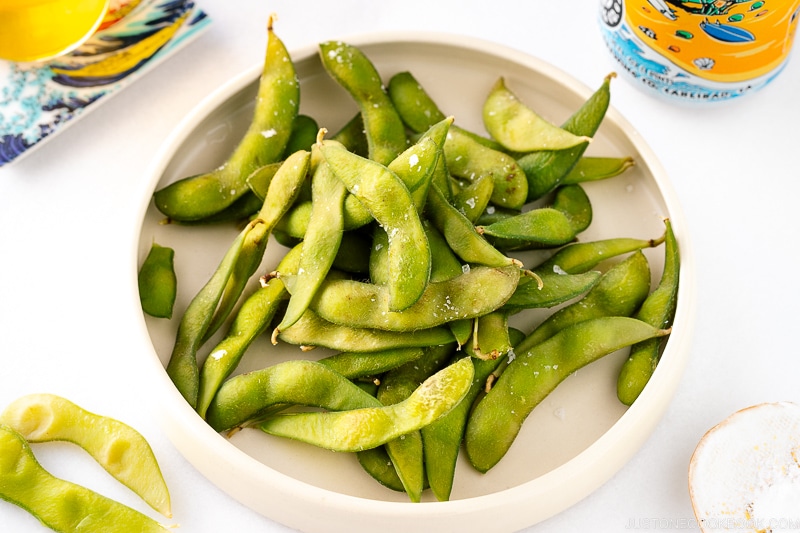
(69,212)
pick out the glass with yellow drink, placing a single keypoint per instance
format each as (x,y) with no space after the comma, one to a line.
(32,30)
(700,50)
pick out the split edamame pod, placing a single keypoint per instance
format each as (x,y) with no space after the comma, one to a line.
(277,103)
(121,450)
(546,169)
(518,128)
(348,66)
(532,375)
(244,398)
(390,203)
(657,310)
(362,429)
(158,285)
(59,504)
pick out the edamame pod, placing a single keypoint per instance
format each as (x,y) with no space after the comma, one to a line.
(442,438)
(59,504)
(519,128)
(362,429)
(321,243)
(546,169)
(580,257)
(555,289)
(245,397)
(390,203)
(596,169)
(532,375)
(282,191)
(467,157)
(658,310)
(158,285)
(396,386)
(474,293)
(461,235)
(182,365)
(311,331)
(277,104)
(353,365)
(619,292)
(386,136)
(121,450)
(251,320)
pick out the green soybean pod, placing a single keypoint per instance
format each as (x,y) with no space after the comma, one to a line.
(312,331)
(354,365)
(352,136)
(258,181)
(496,420)
(597,168)
(580,257)
(467,156)
(244,398)
(475,292)
(416,108)
(544,225)
(59,504)
(303,136)
(277,103)
(282,191)
(362,429)
(469,159)
(182,365)
(518,128)
(473,198)
(320,245)
(544,170)
(657,310)
(158,284)
(251,320)
(460,234)
(397,385)
(573,201)
(391,204)
(619,292)
(442,439)
(555,289)
(121,450)
(352,69)
(377,463)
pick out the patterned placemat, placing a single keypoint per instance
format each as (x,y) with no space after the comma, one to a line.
(39,100)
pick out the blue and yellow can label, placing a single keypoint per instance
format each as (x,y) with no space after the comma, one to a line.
(701,50)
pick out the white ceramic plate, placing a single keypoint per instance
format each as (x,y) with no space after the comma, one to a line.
(570,445)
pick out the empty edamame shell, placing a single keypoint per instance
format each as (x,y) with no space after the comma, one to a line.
(744,475)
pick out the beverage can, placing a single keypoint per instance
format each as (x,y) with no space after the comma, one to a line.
(700,50)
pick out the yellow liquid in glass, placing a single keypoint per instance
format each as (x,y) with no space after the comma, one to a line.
(32,30)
